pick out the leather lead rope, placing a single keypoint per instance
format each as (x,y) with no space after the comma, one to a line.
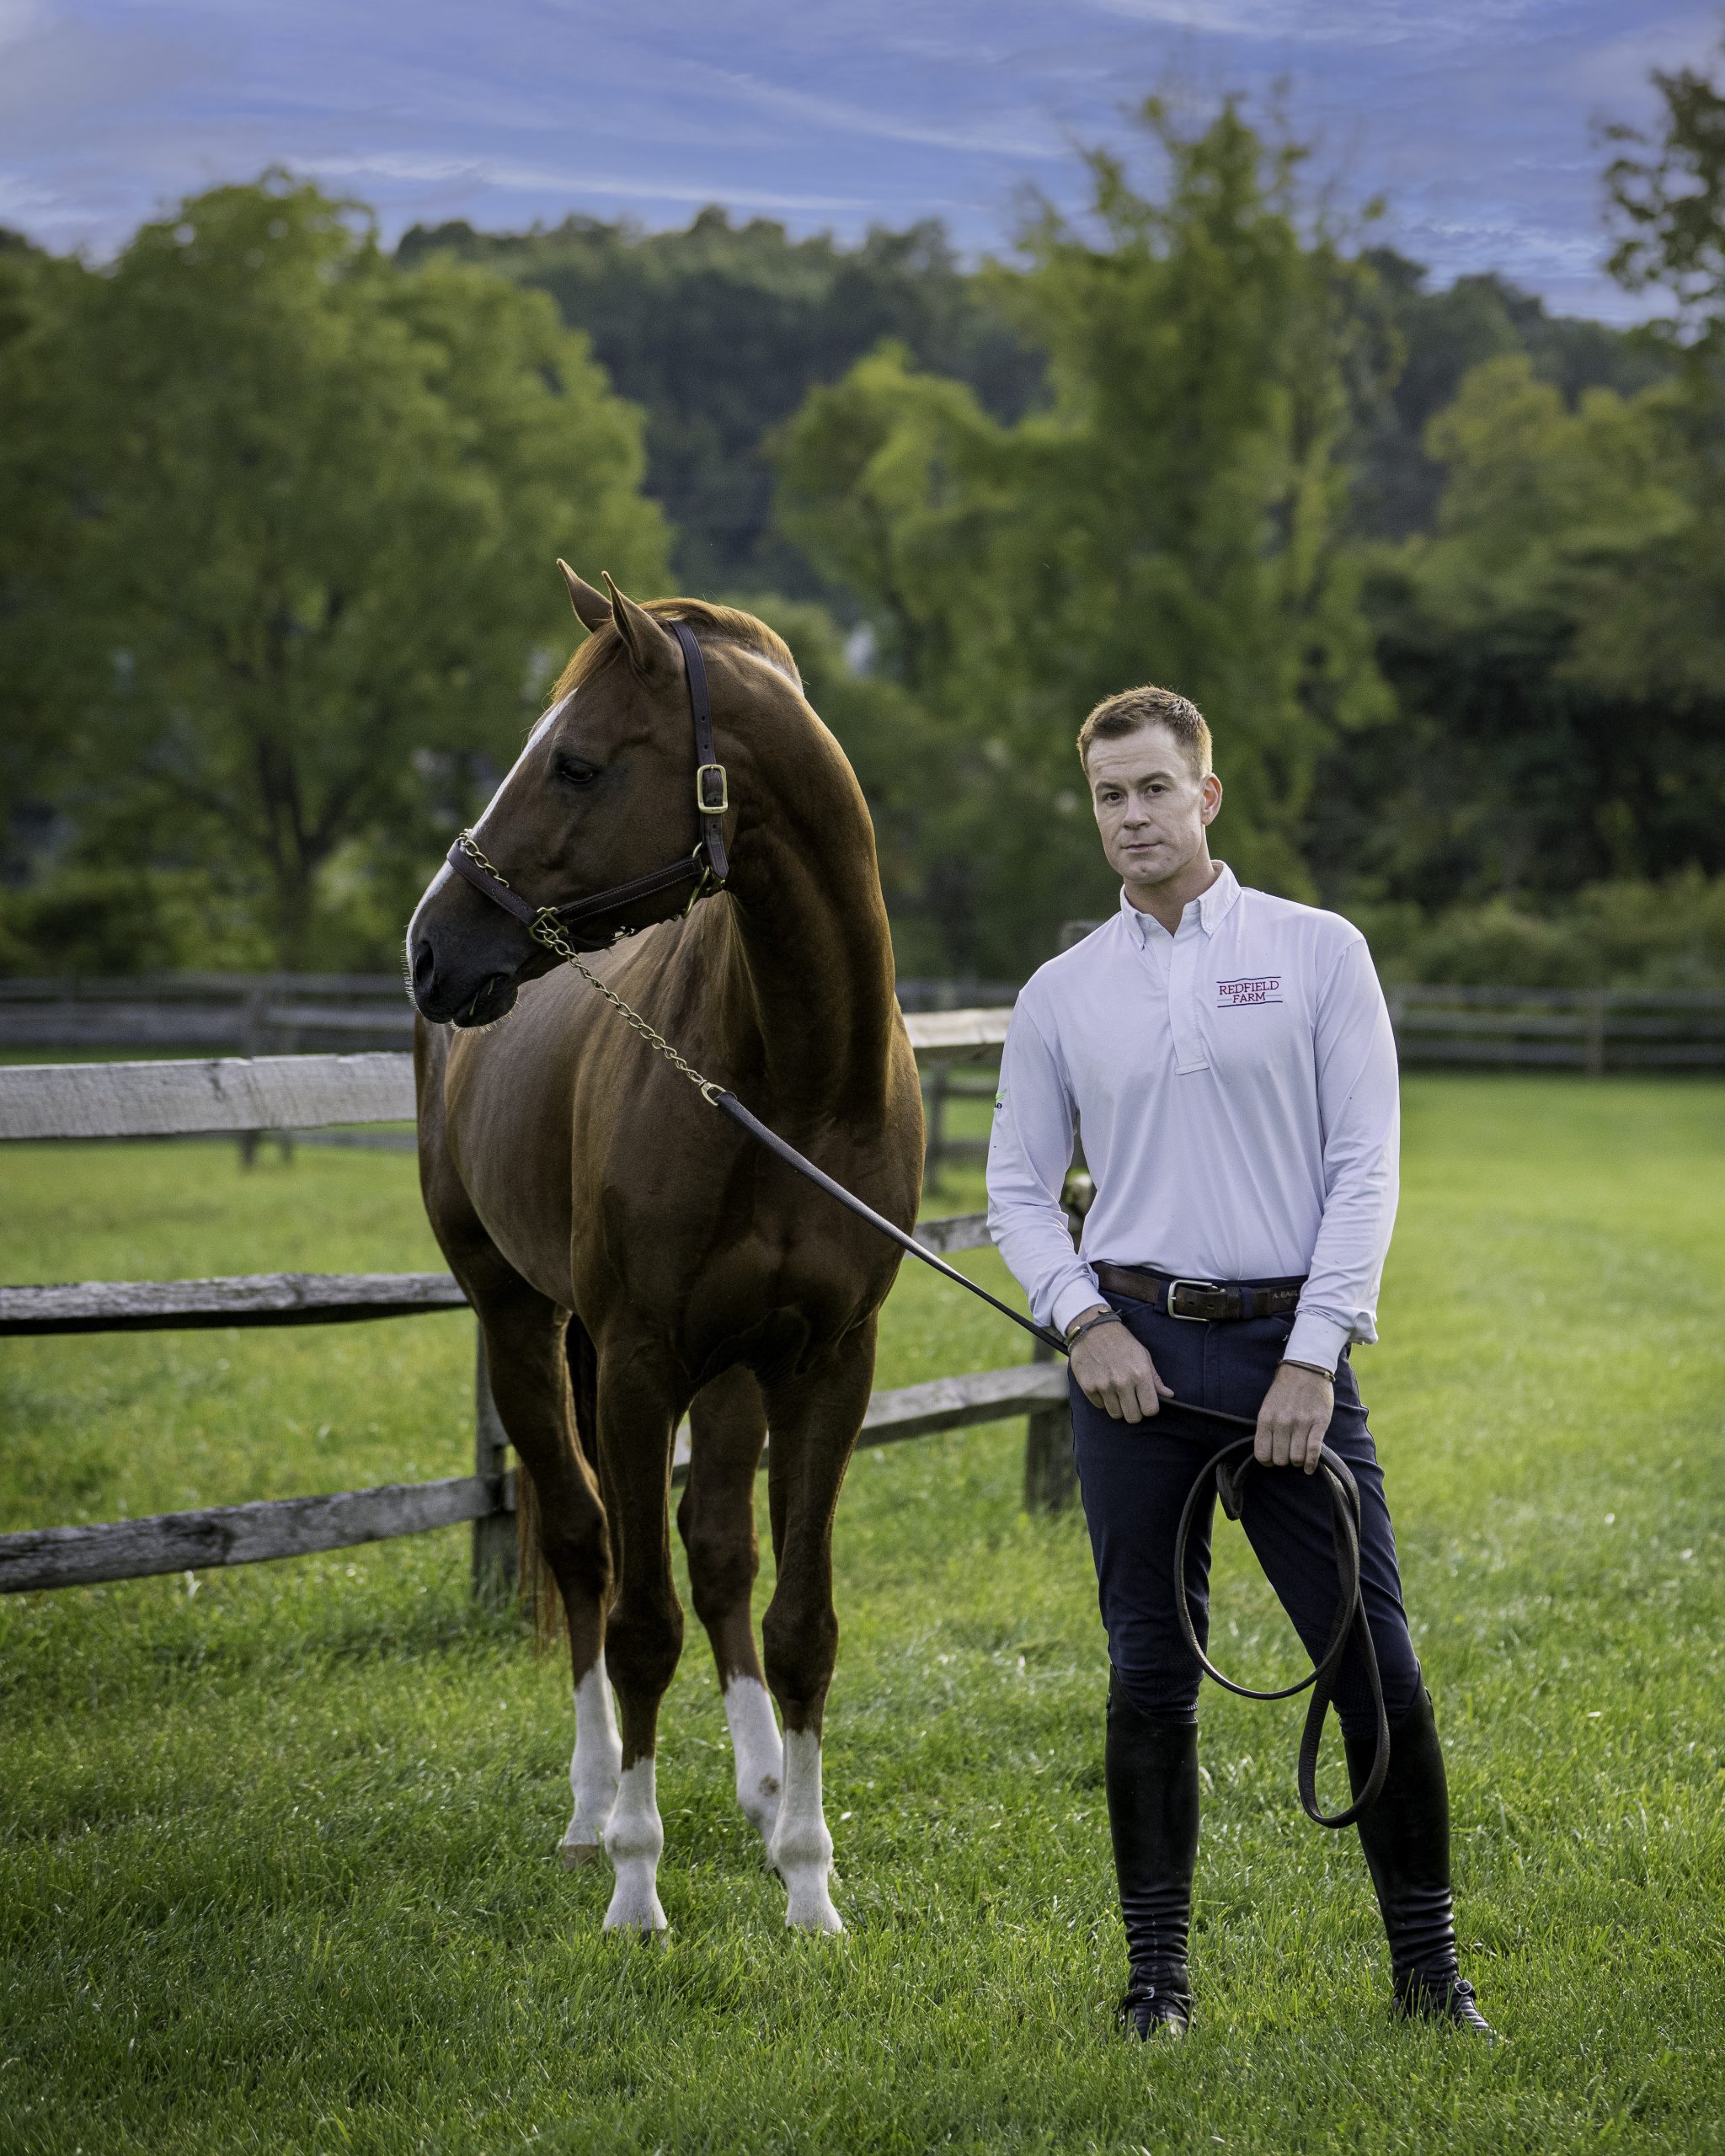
(709,866)
(1349,1621)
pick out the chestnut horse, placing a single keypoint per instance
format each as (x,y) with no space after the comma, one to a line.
(631,1255)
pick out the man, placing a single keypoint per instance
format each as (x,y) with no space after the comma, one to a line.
(1229,1059)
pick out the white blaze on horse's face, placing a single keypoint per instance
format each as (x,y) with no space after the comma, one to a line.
(801,1849)
(542,727)
(446,874)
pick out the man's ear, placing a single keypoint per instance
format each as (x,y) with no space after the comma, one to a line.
(592,608)
(1212,796)
(653,652)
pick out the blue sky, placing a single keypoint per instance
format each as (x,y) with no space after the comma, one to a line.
(1471,118)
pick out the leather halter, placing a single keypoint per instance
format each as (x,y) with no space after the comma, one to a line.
(707,867)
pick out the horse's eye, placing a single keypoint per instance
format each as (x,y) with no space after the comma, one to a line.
(574,774)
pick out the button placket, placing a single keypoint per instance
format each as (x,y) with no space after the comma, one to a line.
(1185,975)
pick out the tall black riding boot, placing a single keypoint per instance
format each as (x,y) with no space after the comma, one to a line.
(1406,1837)
(1152,1785)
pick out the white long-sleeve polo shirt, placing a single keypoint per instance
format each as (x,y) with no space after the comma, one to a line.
(1235,1085)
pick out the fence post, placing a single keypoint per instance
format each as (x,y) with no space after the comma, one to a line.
(1596,1050)
(934,1111)
(494,1534)
(1050,1479)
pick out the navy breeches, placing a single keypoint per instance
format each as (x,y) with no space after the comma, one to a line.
(1134,1478)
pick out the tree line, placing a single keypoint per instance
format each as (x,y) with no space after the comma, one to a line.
(278,511)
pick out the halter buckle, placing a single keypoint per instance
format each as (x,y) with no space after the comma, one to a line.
(703,806)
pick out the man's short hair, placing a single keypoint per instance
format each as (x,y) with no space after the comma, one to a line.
(1134,708)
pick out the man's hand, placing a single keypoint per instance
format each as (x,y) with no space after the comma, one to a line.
(1295,1413)
(1114,1371)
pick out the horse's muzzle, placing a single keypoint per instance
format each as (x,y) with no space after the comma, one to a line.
(494,997)
(445,1002)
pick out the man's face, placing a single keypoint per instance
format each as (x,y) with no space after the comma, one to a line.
(1152,807)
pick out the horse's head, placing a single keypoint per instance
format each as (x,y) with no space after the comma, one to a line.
(604,791)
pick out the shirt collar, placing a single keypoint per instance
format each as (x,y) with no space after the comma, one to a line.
(1210,911)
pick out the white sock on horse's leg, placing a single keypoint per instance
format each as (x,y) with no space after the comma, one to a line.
(595,1767)
(633,1841)
(761,1764)
(801,1849)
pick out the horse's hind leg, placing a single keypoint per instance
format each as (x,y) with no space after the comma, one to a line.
(716,1520)
(644,1633)
(813,1418)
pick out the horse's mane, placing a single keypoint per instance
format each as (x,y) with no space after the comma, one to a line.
(726,624)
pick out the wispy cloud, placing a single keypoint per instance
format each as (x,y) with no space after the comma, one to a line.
(1473,116)
(1324,23)
(1027,135)
(510,177)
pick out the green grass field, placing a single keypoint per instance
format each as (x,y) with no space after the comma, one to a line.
(277,1845)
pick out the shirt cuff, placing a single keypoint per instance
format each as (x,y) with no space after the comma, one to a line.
(1080,1295)
(1316,1339)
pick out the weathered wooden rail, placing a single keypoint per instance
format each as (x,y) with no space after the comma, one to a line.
(1592,1030)
(257,1014)
(69,1100)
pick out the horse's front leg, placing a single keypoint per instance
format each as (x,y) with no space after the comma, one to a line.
(637,1413)
(716,1520)
(525,1353)
(814,1419)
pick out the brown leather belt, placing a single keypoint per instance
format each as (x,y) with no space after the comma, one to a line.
(1203,1302)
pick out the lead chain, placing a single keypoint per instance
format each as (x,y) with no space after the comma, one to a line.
(547,932)
(544,929)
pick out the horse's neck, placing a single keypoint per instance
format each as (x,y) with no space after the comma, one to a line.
(809,981)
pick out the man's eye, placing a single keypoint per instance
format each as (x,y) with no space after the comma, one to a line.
(574,774)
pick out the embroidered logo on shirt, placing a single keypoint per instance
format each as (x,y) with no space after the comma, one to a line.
(1238,995)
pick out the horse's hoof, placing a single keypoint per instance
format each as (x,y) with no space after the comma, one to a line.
(577,1855)
(633,1909)
(815,1918)
(651,1926)
(809,1907)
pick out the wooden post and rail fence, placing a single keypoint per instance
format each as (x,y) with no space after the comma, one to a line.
(353,1098)
(1593,1031)
(314,1092)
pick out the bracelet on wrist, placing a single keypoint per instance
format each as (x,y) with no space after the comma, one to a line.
(1090,1323)
(1317,1369)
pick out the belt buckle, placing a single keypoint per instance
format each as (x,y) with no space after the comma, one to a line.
(1189,1317)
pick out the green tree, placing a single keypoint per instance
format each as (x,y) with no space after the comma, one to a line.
(1557,723)
(1178,515)
(719,332)
(1437,337)
(1667,192)
(37,523)
(312,567)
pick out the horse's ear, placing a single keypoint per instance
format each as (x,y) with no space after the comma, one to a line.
(592,608)
(653,650)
